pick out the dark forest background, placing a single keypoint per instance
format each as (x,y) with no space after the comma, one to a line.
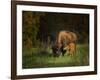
(41,28)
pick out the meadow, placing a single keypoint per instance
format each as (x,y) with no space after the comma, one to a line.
(43,58)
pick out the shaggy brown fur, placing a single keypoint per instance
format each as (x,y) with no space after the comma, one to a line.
(66,37)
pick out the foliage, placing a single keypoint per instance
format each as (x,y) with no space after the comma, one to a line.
(30,28)
(38,26)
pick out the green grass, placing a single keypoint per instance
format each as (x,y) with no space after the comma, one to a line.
(42,58)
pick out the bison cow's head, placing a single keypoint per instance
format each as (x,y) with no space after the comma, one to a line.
(56,50)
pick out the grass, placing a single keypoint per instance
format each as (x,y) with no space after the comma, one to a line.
(42,58)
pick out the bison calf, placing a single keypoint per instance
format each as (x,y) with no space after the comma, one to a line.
(71,48)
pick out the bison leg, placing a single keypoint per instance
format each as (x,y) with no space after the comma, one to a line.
(63,52)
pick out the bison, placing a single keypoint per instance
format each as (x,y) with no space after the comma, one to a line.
(71,48)
(65,41)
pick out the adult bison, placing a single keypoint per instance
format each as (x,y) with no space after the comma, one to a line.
(65,40)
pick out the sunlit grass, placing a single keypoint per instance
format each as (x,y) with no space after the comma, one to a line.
(41,58)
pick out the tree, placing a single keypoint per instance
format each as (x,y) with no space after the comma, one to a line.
(30,29)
